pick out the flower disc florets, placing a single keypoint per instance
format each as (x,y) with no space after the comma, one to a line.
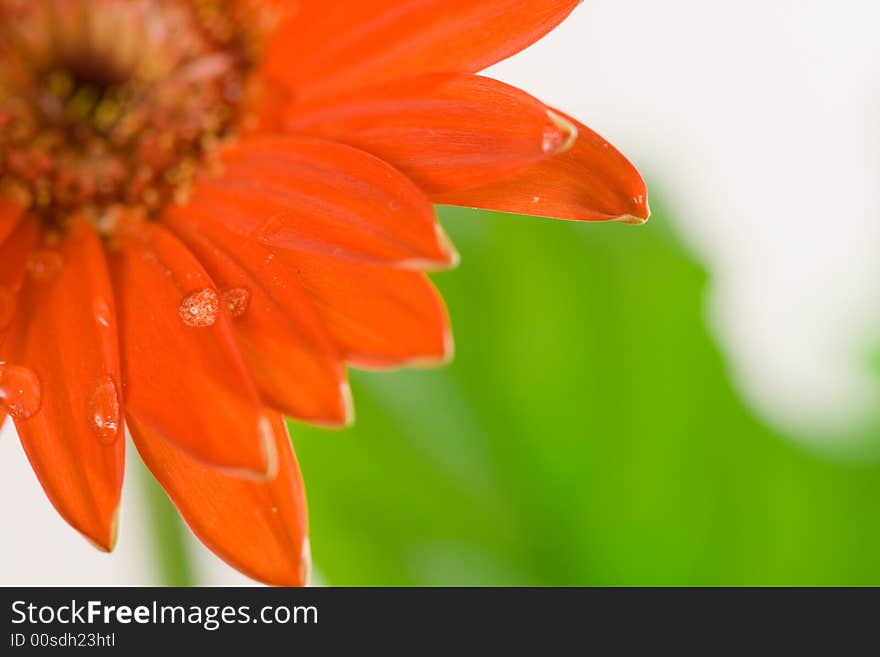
(109,105)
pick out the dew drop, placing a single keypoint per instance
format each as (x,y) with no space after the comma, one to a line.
(19,391)
(554,140)
(7,307)
(200,309)
(236,300)
(101,312)
(44,265)
(104,411)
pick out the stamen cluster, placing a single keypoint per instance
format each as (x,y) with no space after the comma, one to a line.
(109,105)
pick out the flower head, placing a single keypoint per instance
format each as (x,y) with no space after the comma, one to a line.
(208,208)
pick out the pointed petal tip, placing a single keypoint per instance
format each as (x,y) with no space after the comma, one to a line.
(640,213)
(343,416)
(441,357)
(106,541)
(452,258)
(267,436)
(297,573)
(261,475)
(348,405)
(114,531)
(446,356)
(447,257)
(448,348)
(305,563)
(100,547)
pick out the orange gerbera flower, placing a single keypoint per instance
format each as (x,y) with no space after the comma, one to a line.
(209,207)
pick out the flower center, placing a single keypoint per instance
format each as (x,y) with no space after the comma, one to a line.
(112,106)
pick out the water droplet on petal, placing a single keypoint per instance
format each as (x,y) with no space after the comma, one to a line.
(560,134)
(104,411)
(554,139)
(19,391)
(101,311)
(44,265)
(200,309)
(7,307)
(236,300)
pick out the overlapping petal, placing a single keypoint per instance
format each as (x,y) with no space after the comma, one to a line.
(185,380)
(258,528)
(65,335)
(445,131)
(379,316)
(592,181)
(325,47)
(295,365)
(22,237)
(326,198)
(14,254)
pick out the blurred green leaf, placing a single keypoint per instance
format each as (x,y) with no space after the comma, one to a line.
(170,549)
(587,433)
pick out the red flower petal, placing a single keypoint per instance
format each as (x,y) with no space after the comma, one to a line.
(290,356)
(445,131)
(258,528)
(10,214)
(592,181)
(330,46)
(380,317)
(66,335)
(14,254)
(184,376)
(327,198)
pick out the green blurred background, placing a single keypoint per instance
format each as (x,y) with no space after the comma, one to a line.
(587,433)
